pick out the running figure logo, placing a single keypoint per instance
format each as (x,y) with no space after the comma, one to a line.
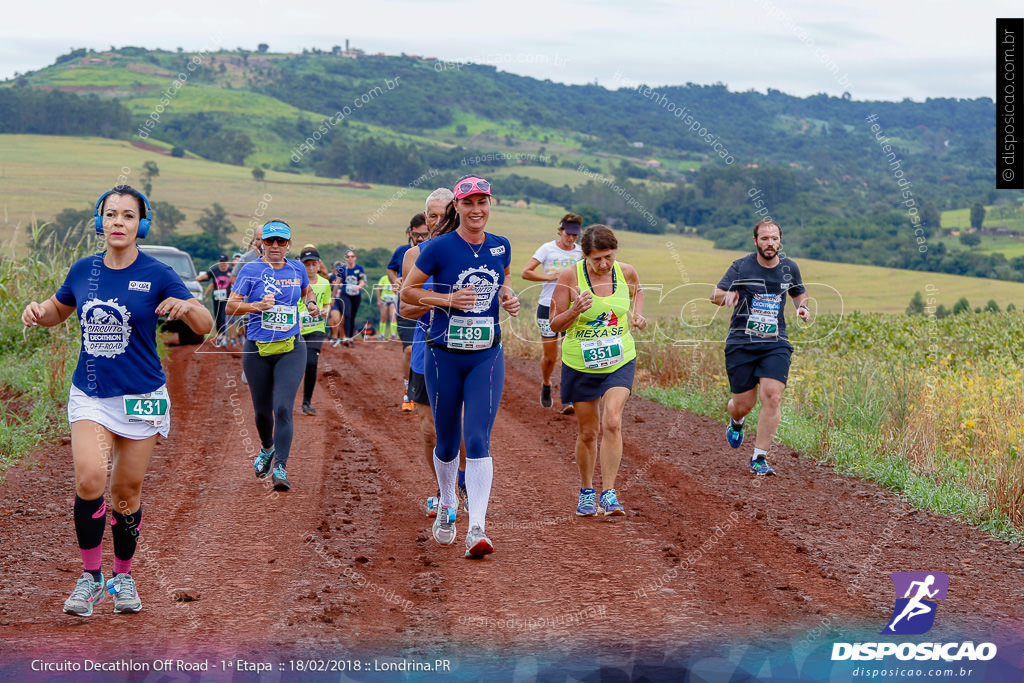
(913,614)
(606,319)
(270,285)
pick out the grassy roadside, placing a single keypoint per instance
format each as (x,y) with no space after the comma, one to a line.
(35,364)
(929,409)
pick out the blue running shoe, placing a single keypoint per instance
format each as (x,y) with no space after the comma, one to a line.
(262,462)
(734,436)
(444,525)
(432,504)
(588,503)
(760,466)
(610,503)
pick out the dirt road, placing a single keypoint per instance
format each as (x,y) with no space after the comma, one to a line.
(344,565)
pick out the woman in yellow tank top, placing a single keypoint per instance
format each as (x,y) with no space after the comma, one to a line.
(596,302)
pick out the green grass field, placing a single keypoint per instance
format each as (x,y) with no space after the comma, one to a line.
(41,175)
(1008,246)
(995,217)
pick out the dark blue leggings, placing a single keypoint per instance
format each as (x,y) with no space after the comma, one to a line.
(273,383)
(470,382)
(350,307)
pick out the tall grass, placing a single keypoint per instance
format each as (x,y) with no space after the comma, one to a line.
(35,364)
(931,409)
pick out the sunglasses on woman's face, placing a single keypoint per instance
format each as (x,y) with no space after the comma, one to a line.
(275,240)
(350,255)
(481,185)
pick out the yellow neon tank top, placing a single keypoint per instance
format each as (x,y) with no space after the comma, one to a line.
(599,339)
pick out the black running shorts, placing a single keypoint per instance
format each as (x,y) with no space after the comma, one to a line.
(580,386)
(406,328)
(418,389)
(746,366)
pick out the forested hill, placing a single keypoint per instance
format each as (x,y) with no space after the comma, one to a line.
(688,155)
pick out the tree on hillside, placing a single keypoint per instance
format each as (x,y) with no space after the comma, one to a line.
(931,219)
(215,223)
(970,240)
(166,219)
(202,248)
(962,306)
(941,312)
(916,306)
(977,215)
(262,47)
(258,174)
(992,306)
(149,171)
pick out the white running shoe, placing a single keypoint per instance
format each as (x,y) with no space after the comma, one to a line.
(477,544)
(444,525)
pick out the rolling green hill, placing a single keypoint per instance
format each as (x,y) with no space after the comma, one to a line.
(40,175)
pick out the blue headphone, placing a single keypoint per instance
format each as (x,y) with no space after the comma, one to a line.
(143,222)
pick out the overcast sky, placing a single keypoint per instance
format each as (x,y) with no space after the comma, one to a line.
(873,49)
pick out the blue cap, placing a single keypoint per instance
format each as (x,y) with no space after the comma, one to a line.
(276,229)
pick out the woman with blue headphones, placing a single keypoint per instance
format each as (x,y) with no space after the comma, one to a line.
(118,401)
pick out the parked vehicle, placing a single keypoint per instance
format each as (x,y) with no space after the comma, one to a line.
(182,264)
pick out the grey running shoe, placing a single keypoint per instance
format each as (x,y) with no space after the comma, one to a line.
(444,524)
(126,597)
(477,544)
(87,593)
(280,478)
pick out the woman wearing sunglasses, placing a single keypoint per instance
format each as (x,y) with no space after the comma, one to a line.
(464,363)
(271,290)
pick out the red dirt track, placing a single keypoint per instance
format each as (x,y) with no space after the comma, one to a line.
(344,562)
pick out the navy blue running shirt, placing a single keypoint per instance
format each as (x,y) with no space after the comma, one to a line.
(451,261)
(759,316)
(350,278)
(395,263)
(117,312)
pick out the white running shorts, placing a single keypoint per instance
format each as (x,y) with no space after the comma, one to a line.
(109,412)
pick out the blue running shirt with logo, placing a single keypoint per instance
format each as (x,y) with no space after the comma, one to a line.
(349,278)
(456,264)
(759,317)
(256,280)
(117,312)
